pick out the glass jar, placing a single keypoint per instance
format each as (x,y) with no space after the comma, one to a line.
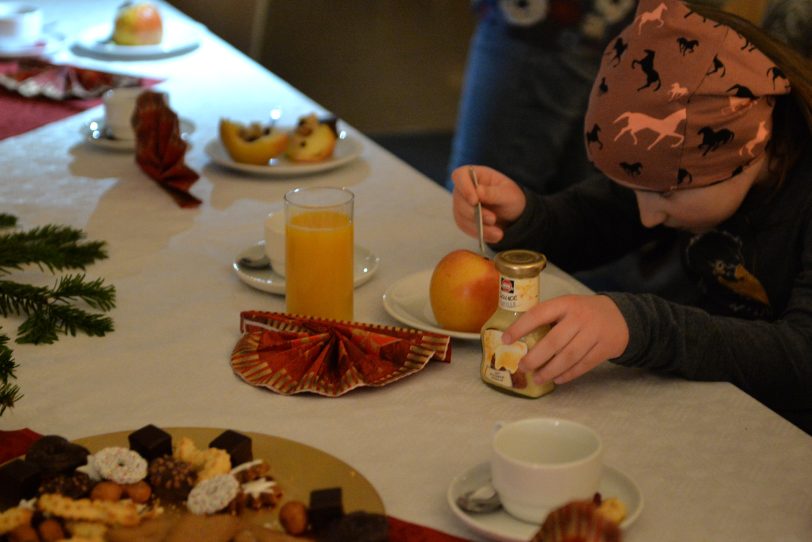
(519,287)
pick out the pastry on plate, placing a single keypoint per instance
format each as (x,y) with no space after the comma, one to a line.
(313,140)
(252,143)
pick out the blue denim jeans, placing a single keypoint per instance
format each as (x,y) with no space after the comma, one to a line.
(522,108)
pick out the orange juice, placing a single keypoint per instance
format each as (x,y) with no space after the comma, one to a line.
(319,264)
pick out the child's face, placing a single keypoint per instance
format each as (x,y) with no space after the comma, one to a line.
(697,209)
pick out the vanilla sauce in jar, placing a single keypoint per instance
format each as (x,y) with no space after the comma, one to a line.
(519,289)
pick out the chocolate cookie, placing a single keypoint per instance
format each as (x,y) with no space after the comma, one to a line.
(56,455)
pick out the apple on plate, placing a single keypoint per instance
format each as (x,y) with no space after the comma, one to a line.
(252,143)
(138,23)
(464,291)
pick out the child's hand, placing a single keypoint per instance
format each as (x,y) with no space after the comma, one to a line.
(587,330)
(502,201)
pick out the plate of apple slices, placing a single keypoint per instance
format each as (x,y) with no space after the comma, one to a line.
(407,300)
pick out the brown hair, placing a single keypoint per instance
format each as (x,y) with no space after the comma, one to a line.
(792,117)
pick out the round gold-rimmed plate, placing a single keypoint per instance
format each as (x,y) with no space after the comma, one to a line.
(296,467)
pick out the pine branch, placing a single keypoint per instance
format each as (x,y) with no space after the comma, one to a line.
(7,220)
(17,298)
(51,246)
(50,311)
(94,293)
(9,392)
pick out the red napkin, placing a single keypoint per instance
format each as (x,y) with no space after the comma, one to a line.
(16,443)
(293,354)
(34,92)
(159,149)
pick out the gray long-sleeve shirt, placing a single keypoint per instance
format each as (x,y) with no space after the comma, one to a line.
(748,320)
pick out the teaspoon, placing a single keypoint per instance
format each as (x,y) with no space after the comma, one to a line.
(261,262)
(481,500)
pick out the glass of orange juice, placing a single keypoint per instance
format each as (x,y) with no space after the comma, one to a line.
(319,252)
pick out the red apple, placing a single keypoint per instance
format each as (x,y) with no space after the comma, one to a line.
(138,23)
(464,291)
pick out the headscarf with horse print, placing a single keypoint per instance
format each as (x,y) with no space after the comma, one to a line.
(680,101)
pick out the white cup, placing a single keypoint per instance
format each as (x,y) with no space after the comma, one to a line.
(119,104)
(20,24)
(539,464)
(275,241)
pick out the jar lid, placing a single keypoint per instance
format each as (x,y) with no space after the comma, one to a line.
(520,263)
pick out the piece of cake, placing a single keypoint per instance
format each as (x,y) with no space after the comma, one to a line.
(313,140)
(150,442)
(252,143)
(326,507)
(236,444)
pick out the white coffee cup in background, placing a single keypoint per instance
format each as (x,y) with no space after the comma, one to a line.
(539,464)
(20,24)
(119,104)
(275,241)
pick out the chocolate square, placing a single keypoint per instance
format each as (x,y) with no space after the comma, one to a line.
(19,479)
(150,442)
(236,444)
(325,507)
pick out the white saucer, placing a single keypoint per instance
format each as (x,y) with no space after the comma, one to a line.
(178,39)
(47,44)
(407,300)
(365,262)
(96,134)
(502,527)
(347,149)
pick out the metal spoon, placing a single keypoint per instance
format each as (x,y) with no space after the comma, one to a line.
(261,262)
(478,212)
(481,500)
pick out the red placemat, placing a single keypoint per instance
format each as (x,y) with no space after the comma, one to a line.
(20,113)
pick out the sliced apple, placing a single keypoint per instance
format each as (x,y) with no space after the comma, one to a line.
(312,140)
(252,143)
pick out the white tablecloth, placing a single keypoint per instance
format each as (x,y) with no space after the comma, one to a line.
(712,463)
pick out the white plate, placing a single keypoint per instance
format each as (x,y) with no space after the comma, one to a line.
(347,149)
(365,262)
(503,527)
(96,134)
(407,300)
(178,39)
(45,45)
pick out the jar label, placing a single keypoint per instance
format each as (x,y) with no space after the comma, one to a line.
(500,361)
(518,295)
(500,366)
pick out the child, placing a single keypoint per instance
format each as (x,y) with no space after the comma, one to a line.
(704,136)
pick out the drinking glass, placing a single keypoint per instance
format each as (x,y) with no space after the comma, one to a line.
(319,252)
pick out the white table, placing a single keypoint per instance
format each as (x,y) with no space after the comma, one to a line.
(712,463)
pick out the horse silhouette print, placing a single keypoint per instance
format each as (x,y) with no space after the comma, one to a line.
(686,46)
(592,136)
(655,15)
(666,127)
(647,65)
(760,137)
(712,140)
(619,47)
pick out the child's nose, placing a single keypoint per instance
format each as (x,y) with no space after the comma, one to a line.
(650,214)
